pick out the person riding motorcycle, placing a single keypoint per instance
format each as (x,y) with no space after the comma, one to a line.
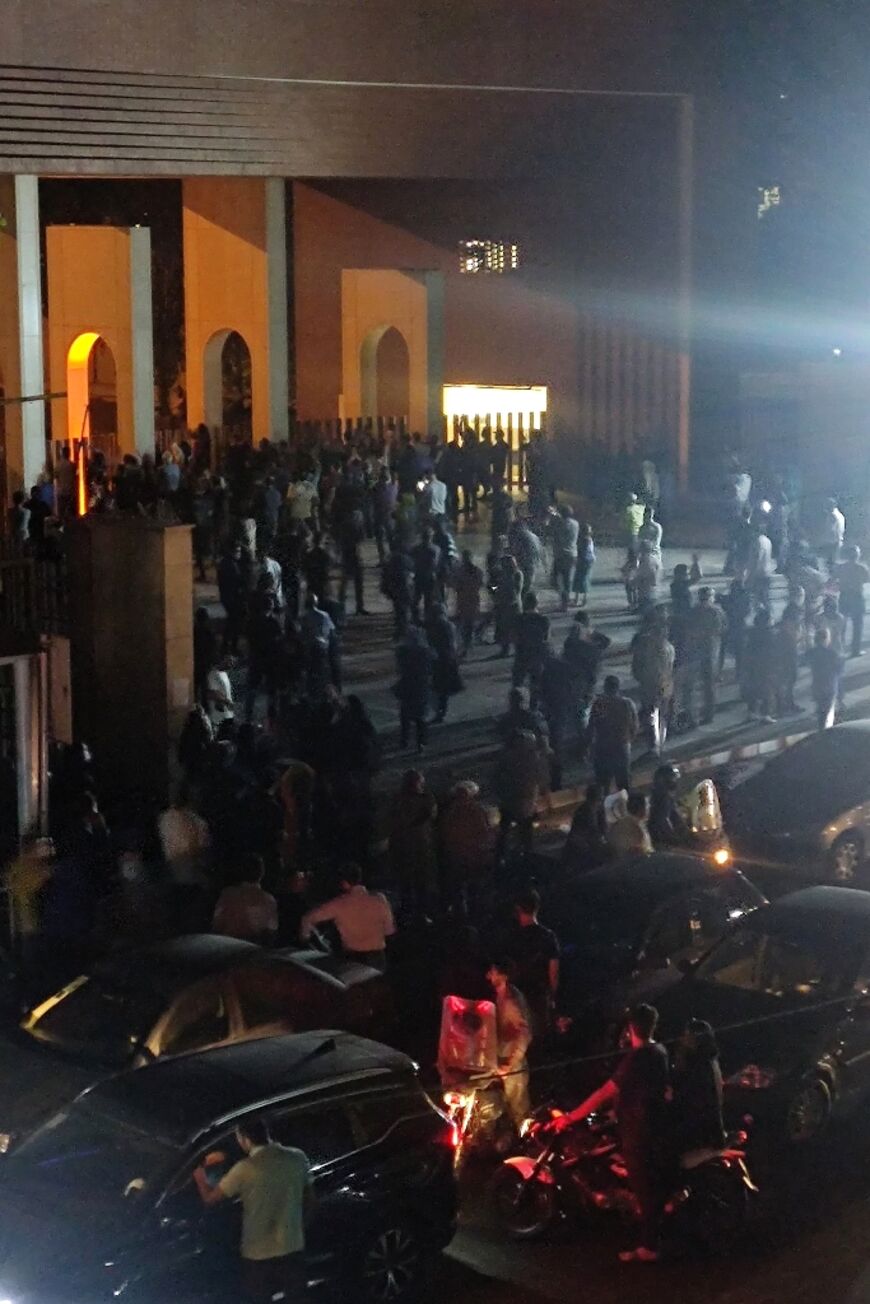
(667,825)
(638,1089)
(696,1082)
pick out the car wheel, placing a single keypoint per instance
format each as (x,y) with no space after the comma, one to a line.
(808,1112)
(391,1266)
(847,859)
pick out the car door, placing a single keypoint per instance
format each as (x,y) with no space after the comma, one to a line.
(849,1041)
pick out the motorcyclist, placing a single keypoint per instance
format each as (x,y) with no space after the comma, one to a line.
(696,1103)
(668,826)
(638,1089)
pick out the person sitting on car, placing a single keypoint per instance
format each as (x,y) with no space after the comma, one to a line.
(273,1184)
(628,835)
(364,919)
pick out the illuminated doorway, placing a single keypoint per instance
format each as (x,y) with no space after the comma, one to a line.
(515,407)
(92,402)
(227,388)
(385,373)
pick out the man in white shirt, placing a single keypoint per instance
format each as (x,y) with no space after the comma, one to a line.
(434,497)
(832,533)
(302,497)
(184,838)
(760,566)
(364,919)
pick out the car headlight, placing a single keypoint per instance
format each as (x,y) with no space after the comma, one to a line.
(752,1078)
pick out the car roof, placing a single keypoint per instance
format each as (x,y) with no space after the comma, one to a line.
(823,905)
(656,874)
(179,960)
(181,1097)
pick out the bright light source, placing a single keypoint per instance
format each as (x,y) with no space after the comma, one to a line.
(838,353)
(721,856)
(497,403)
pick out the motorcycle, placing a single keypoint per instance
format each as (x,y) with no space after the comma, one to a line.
(580,1170)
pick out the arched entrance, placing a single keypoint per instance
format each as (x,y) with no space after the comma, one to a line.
(385,373)
(227,381)
(92,399)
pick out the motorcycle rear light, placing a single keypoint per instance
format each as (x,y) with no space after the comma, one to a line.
(450,1136)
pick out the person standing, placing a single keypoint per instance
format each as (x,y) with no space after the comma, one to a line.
(629,835)
(273,1184)
(514,1034)
(613,726)
(219,696)
(385,498)
(412,844)
(852,575)
(757,673)
(832,531)
(706,630)
(364,919)
(652,664)
(396,582)
(526,547)
(566,532)
(426,557)
(433,498)
(585,563)
(583,651)
(532,635)
(351,531)
(638,1088)
(650,533)
(534,951)
(468,583)
(759,567)
(446,679)
(737,605)
(520,780)
(232,588)
(244,909)
(632,518)
(507,602)
(415,662)
(825,667)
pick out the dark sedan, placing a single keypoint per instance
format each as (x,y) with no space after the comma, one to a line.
(808,808)
(181,995)
(99,1204)
(628,930)
(788,992)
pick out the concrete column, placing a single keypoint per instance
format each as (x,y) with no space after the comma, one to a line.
(276,289)
(141,339)
(30,744)
(434,352)
(685,200)
(30,327)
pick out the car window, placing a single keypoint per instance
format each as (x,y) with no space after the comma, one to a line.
(374,1116)
(197,1018)
(284,994)
(777,964)
(322,1132)
(687,926)
(99,1016)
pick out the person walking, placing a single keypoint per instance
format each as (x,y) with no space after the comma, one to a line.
(412,845)
(737,607)
(852,575)
(520,781)
(446,679)
(415,661)
(632,520)
(706,630)
(426,557)
(832,531)
(613,726)
(532,636)
(786,660)
(629,835)
(507,602)
(273,1184)
(534,952)
(396,584)
(566,532)
(583,651)
(825,666)
(528,550)
(232,589)
(760,566)
(652,664)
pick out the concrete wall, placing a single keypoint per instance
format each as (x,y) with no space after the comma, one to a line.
(99,280)
(294,88)
(235,280)
(132,670)
(10,374)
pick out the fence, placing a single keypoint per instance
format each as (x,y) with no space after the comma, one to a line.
(333,430)
(33,594)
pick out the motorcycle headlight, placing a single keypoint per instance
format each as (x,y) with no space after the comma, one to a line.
(5,1143)
(752,1078)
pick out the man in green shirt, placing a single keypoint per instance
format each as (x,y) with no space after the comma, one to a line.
(273,1184)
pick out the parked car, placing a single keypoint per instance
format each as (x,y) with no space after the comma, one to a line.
(175,996)
(628,929)
(808,808)
(99,1204)
(788,991)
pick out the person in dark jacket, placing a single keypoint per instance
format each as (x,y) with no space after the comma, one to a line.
(446,680)
(415,662)
(757,670)
(586,846)
(825,666)
(696,1081)
(232,587)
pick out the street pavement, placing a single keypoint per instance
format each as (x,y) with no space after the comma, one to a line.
(809,1241)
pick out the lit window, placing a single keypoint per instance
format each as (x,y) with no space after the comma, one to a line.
(768,197)
(488,256)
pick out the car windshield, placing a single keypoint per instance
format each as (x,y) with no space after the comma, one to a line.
(787,963)
(94,1156)
(98,1017)
(606,914)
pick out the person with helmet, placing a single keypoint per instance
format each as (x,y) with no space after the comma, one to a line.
(667,824)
